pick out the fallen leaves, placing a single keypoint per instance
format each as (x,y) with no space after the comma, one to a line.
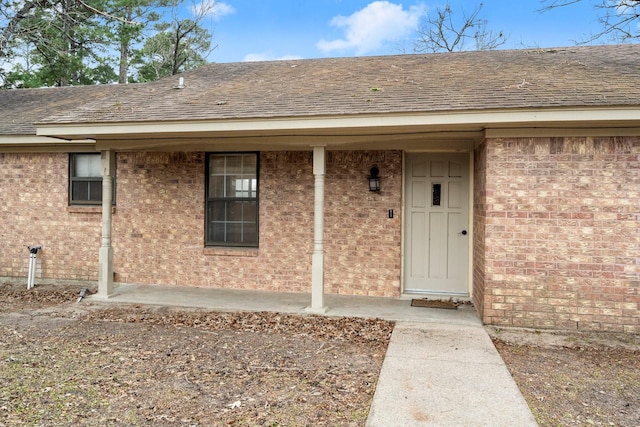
(574,386)
(137,365)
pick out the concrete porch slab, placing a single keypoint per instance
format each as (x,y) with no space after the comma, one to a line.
(241,300)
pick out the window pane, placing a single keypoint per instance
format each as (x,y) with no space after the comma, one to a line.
(95,191)
(80,191)
(241,186)
(249,234)
(217,164)
(254,188)
(234,211)
(233,186)
(80,165)
(86,165)
(216,186)
(95,167)
(234,232)
(250,165)
(234,165)
(217,232)
(249,212)
(217,211)
(436,193)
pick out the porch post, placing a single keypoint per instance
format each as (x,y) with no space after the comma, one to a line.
(317,260)
(105,275)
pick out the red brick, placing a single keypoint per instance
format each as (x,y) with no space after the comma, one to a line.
(582,258)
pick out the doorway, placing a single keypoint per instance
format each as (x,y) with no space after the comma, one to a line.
(437,224)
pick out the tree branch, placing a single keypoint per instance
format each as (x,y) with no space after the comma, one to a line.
(11,29)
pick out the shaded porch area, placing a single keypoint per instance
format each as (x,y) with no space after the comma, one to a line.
(393,309)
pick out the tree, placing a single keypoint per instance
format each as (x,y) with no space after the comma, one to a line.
(444,32)
(131,19)
(620,19)
(177,47)
(67,42)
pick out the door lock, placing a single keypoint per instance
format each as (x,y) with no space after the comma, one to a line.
(463,232)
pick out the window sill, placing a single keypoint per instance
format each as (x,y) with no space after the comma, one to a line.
(237,252)
(87,209)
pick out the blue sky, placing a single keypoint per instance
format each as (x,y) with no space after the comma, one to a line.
(293,29)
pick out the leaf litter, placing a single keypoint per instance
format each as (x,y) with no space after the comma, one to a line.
(94,364)
(98,364)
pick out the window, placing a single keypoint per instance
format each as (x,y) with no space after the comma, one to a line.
(232,199)
(85,179)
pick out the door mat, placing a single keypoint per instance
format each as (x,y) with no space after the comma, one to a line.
(435,303)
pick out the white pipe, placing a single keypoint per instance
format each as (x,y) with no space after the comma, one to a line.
(30,274)
(33,257)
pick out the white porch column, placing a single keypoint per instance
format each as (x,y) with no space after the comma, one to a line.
(317,260)
(105,275)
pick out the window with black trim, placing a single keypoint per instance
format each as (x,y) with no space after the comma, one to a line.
(85,179)
(232,199)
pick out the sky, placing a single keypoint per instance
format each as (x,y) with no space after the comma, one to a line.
(254,30)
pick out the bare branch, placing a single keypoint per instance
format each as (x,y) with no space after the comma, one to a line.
(105,14)
(552,4)
(620,19)
(445,33)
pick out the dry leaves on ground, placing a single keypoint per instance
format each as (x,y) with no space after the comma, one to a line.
(104,365)
(63,363)
(575,379)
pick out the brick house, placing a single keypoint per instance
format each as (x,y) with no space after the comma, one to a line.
(509,177)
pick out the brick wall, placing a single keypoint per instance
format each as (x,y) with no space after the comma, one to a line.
(479,226)
(157,234)
(159,225)
(560,218)
(362,243)
(34,210)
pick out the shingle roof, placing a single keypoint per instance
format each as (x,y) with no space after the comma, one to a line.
(533,78)
(21,108)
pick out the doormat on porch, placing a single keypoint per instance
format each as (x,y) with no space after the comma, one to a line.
(435,303)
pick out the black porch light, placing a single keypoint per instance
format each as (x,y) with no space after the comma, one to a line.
(374,179)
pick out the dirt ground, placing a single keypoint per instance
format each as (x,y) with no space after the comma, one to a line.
(575,379)
(98,364)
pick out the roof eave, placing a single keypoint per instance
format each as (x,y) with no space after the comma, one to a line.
(428,121)
(33,143)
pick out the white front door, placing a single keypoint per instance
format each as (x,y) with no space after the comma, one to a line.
(437,223)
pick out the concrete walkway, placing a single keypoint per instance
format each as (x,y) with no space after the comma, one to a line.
(441,368)
(438,374)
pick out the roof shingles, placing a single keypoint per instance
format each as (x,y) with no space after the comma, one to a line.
(534,78)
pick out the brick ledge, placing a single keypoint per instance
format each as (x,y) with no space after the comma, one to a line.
(88,209)
(237,252)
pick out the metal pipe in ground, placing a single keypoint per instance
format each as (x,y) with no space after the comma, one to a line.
(33,258)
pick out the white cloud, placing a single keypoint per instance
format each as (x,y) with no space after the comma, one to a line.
(213,8)
(266,56)
(221,9)
(369,28)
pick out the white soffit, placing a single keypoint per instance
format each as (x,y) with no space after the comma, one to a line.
(443,121)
